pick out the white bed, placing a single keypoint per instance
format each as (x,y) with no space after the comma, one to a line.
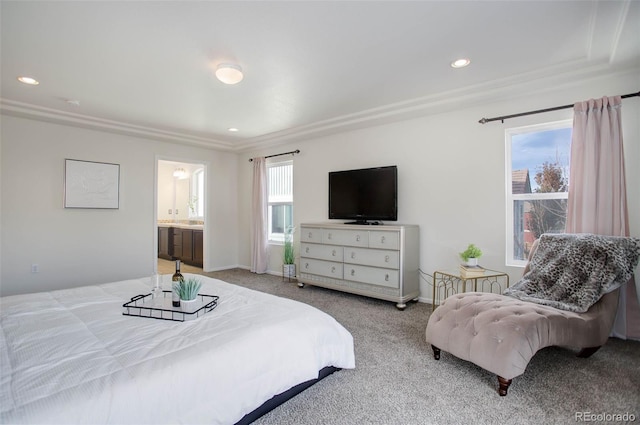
(71,356)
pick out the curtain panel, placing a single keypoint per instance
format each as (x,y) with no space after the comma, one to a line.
(259,217)
(597,190)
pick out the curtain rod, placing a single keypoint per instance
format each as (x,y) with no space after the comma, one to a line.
(280,154)
(557,108)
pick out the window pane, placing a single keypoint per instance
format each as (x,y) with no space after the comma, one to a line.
(196,204)
(277,219)
(532,218)
(281,218)
(280,183)
(288,216)
(540,161)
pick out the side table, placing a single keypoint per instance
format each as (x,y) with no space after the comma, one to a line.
(452,282)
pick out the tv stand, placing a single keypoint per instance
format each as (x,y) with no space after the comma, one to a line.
(365,223)
(375,261)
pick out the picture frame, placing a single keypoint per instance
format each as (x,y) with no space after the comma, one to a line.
(90,184)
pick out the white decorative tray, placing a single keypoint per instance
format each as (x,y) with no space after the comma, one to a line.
(146,306)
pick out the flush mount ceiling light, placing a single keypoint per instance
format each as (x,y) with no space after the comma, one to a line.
(180,173)
(232,129)
(229,73)
(28,80)
(460,63)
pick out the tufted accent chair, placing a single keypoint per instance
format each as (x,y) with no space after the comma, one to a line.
(501,334)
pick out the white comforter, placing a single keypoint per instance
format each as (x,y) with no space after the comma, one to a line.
(70,356)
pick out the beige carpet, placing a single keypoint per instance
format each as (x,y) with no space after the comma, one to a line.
(397,381)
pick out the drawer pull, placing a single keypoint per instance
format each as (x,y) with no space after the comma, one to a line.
(382,239)
(310,235)
(353,254)
(333,253)
(353,272)
(306,265)
(306,250)
(386,278)
(329,236)
(386,258)
(333,269)
(357,238)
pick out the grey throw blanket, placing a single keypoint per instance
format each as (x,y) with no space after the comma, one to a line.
(573,271)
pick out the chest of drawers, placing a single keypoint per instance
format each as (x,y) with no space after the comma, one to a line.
(375,261)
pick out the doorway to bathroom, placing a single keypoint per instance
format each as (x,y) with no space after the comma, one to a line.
(180,214)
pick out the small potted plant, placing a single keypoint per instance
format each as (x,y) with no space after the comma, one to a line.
(289,254)
(188,292)
(470,255)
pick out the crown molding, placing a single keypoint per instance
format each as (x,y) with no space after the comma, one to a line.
(41,113)
(535,82)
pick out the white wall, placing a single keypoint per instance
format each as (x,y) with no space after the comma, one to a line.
(77,246)
(451,172)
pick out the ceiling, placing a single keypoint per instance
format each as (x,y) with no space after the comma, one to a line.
(310,68)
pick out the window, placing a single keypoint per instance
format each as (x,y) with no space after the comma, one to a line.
(280,177)
(537,159)
(196,202)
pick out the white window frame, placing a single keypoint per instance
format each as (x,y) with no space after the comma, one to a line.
(278,238)
(510,197)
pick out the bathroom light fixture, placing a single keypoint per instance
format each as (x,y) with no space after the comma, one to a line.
(229,73)
(460,63)
(180,173)
(232,129)
(28,80)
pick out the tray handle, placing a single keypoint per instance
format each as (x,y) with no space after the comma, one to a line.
(211,304)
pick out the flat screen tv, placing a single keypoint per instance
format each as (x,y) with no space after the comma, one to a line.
(364,195)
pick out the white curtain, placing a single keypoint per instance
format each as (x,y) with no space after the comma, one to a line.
(259,253)
(597,190)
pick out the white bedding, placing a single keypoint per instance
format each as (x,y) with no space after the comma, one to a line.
(71,356)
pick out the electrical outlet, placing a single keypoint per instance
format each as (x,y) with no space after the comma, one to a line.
(35,268)
(176,211)
(169,210)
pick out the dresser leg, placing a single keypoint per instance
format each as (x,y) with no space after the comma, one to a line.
(300,285)
(401,306)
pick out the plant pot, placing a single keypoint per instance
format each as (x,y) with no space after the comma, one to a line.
(189,306)
(472,262)
(289,270)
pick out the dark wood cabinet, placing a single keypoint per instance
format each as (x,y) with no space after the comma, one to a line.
(186,245)
(177,243)
(165,243)
(198,243)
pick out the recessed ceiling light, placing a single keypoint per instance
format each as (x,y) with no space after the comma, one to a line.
(233,129)
(29,80)
(460,63)
(229,73)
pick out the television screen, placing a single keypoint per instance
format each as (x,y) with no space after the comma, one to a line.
(364,194)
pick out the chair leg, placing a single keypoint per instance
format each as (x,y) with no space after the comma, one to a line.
(436,352)
(588,351)
(504,385)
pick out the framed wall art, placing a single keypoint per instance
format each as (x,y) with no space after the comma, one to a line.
(89,184)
